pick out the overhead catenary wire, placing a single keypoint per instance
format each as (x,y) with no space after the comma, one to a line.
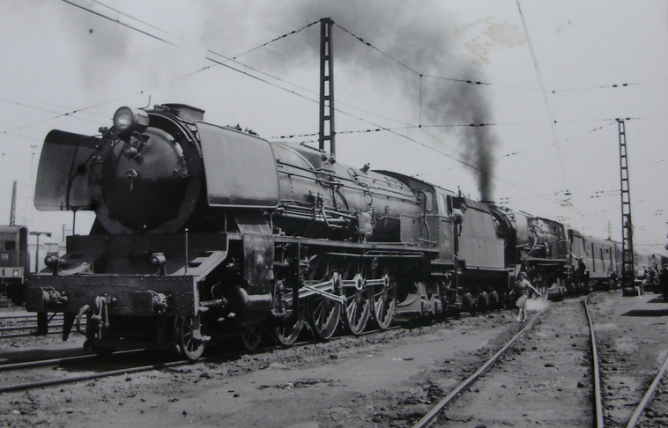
(233,59)
(610,86)
(421,74)
(205,54)
(31,100)
(253,49)
(39,109)
(245,71)
(470,163)
(562,142)
(470,125)
(542,87)
(219,62)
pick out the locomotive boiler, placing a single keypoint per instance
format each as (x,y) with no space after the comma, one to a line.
(204,231)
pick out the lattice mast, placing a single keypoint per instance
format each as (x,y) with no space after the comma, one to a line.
(628,274)
(327,132)
(12,212)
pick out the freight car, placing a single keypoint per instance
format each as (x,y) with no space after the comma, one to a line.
(14,262)
(204,232)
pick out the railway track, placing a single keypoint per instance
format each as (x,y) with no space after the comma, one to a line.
(638,414)
(647,394)
(433,414)
(432,417)
(655,397)
(12,326)
(99,368)
(395,402)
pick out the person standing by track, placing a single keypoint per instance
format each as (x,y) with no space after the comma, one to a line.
(663,282)
(522,289)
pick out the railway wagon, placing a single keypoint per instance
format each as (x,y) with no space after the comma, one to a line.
(644,269)
(204,232)
(657,262)
(14,262)
(595,262)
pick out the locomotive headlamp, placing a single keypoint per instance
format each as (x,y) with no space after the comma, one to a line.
(158,259)
(127,119)
(52,261)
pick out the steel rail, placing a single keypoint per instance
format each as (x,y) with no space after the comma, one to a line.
(25,316)
(42,363)
(648,396)
(598,402)
(56,361)
(430,417)
(73,379)
(27,323)
(24,327)
(29,334)
(159,366)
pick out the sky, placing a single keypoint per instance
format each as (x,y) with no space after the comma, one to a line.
(554,76)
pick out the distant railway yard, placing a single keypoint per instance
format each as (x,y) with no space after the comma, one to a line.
(544,378)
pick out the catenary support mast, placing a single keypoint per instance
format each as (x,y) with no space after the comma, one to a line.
(628,271)
(12,213)
(327,132)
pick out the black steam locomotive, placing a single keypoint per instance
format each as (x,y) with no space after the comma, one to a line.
(204,232)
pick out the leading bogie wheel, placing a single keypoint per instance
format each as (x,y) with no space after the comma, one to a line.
(184,335)
(286,332)
(251,337)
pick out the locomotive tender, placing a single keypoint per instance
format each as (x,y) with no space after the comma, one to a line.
(204,232)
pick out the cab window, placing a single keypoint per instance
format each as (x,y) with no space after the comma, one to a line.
(427,200)
(442,203)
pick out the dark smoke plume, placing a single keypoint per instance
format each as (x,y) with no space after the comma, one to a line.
(416,35)
(413,32)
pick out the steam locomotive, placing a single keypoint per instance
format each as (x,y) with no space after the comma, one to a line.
(203,232)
